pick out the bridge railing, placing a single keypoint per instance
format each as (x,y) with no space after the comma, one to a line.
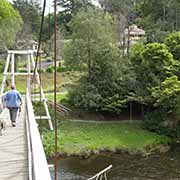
(101,175)
(38,166)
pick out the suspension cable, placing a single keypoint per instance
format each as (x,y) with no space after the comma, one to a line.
(39,43)
(55,88)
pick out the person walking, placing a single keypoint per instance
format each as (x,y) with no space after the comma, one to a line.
(13,102)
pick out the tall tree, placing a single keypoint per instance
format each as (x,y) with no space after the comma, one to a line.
(93,49)
(152,64)
(10,24)
(91,28)
(159,18)
(31,15)
(125,14)
(70,8)
(173,44)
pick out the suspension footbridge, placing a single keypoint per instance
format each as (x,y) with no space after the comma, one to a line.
(22,156)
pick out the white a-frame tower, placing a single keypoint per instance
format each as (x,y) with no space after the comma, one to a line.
(10,65)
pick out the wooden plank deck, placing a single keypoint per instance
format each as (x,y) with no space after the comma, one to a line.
(13,148)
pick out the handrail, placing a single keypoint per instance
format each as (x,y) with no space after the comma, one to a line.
(30,168)
(2,102)
(101,174)
(39,162)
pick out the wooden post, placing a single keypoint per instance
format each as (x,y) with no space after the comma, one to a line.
(29,74)
(4,74)
(12,69)
(42,94)
(130,111)
(142,111)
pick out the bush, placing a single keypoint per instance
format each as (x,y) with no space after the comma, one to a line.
(155,121)
(50,69)
(22,70)
(2,63)
(62,69)
(85,96)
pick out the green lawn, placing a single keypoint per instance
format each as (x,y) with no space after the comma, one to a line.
(59,96)
(65,80)
(75,138)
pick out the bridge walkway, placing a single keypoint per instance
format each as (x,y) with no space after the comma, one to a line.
(14,148)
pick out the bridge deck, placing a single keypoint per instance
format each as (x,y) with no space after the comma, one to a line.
(13,148)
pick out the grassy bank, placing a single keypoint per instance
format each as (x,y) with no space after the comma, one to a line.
(83,139)
(65,80)
(59,96)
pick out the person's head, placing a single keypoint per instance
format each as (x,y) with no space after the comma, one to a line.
(13,87)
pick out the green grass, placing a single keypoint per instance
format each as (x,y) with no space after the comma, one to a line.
(76,138)
(59,96)
(65,80)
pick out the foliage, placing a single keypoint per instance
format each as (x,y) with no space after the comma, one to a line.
(109,89)
(91,30)
(85,96)
(10,24)
(50,69)
(167,95)
(155,120)
(157,86)
(118,6)
(2,63)
(92,49)
(173,44)
(158,18)
(71,8)
(152,64)
(30,14)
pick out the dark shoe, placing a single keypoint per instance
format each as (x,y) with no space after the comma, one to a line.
(13,124)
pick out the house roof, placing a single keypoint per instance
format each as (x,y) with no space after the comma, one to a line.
(134,30)
(33,42)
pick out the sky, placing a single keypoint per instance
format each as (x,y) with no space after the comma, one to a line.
(49,3)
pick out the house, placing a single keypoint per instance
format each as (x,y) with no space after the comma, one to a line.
(135,35)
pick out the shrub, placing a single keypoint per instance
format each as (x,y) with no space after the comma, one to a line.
(50,69)
(62,69)
(155,121)
(2,63)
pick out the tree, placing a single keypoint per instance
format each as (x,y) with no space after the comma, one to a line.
(10,24)
(173,44)
(71,8)
(158,18)
(167,95)
(107,77)
(152,63)
(31,16)
(91,29)
(157,85)
(124,13)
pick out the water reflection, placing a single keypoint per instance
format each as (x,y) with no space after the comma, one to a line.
(125,167)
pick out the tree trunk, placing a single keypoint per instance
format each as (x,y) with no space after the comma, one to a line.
(128,40)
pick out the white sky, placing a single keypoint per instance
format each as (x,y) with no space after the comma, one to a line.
(50,8)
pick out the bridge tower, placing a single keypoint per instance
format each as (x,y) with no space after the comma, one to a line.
(9,70)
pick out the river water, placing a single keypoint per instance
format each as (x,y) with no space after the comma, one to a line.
(125,167)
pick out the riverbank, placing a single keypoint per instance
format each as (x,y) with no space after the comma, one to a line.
(84,139)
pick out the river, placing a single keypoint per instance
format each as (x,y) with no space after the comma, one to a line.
(125,167)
